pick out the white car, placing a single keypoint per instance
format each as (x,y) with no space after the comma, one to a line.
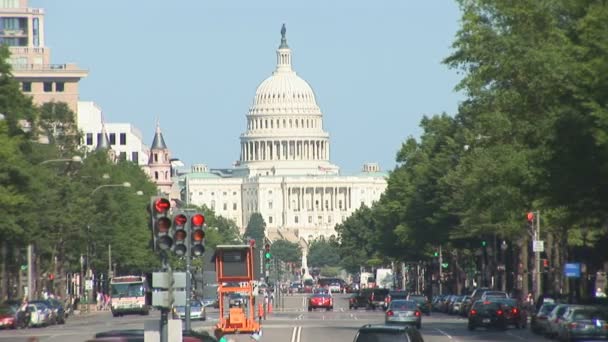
(40,314)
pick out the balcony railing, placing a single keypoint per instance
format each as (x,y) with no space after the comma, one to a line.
(12,33)
(24,50)
(46,67)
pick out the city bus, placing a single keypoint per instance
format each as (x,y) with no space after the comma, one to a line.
(128,295)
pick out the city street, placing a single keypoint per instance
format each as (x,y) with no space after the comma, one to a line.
(292,323)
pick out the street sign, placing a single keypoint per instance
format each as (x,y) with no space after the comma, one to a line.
(538,246)
(572,270)
(88,285)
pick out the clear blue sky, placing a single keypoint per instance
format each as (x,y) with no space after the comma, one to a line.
(375,67)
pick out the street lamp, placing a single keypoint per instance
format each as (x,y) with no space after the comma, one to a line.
(74,159)
(124,185)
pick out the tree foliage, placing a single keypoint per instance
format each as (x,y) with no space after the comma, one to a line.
(323,252)
(286,251)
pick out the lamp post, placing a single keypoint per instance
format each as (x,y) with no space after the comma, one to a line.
(30,247)
(74,159)
(88,271)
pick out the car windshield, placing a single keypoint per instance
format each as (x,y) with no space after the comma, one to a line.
(402,305)
(585,315)
(380,336)
(321,295)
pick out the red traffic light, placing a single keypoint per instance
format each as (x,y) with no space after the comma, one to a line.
(180,220)
(545,262)
(530,216)
(162,205)
(198,235)
(198,220)
(267,247)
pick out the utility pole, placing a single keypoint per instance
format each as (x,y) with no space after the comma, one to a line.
(537,273)
(30,266)
(440,269)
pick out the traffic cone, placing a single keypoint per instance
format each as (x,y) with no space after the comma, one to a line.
(269,306)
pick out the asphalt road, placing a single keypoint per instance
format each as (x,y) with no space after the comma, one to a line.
(290,322)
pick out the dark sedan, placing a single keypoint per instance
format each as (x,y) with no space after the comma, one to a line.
(487,314)
(514,313)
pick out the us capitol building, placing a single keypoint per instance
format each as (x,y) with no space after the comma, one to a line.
(284,172)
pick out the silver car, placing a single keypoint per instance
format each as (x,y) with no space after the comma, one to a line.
(403,312)
(197,311)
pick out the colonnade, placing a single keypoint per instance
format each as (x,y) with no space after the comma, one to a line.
(285,150)
(318,198)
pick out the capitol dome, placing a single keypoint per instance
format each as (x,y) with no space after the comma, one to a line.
(285,125)
(284,91)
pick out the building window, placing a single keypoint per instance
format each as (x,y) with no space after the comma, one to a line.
(59,87)
(212,193)
(112,138)
(135,157)
(47,87)
(225,193)
(89,139)
(233,206)
(123,138)
(269,204)
(212,205)
(270,192)
(320,219)
(328,219)
(340,204)
(234,193)
(26,87)
(269,219)
(225,206)
(309,219)
(122,156)
(295,219)
(156,175)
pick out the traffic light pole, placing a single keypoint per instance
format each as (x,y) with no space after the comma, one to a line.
(164,312)
(188,274)
(440,269)
(537,272)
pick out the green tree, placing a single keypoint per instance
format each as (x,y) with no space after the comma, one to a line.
(256,230)
(323,252)
(286,251)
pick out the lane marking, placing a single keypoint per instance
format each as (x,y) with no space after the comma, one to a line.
(296,334)
(516,336)
(444,333)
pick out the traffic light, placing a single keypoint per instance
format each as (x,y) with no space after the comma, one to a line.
(484,243)
(267,254)
(546,264)
(161,223)
(179,236)
(436,253)
(198,234)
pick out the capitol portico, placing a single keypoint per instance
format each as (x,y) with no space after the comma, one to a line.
(284,170)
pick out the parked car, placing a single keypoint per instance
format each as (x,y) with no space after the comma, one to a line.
(320,300)
(583,323)
(8,317)
(538,321)
(487,314)
(388,333)
(554,319)
(211,302)
(40,314)
(197,311)
(403,312)
(56,308)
